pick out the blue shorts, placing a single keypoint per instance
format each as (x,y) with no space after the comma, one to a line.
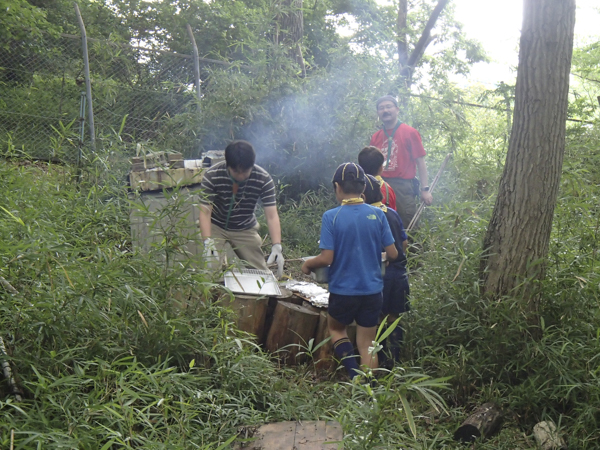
(396,292)
(364,309)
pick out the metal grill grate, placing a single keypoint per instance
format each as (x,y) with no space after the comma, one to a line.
(252,282)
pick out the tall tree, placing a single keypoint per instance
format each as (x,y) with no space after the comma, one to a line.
(290,28)
(518,234)
(407,63)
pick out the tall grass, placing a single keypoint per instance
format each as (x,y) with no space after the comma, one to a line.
(109,358)
(492,349)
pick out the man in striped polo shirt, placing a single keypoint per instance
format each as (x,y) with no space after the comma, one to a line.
(232,189)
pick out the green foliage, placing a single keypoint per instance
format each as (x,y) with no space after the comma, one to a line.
(107,352)
(17,14)
(101,348)
(97,334)
(301,221)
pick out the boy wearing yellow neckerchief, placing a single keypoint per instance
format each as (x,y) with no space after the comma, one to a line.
(396,290)
(353,236)
(371,160)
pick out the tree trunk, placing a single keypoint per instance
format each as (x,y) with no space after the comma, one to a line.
(402,43)
(290,29)
(408,66)
(251,312)
(292,328)
(518,234)
(324,355)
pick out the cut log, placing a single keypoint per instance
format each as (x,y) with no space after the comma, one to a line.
(293,326)
(351,331)
(286,296)
(484,422)
(310,306)
(547,437)
(251,312)
(271,305)
(324,360)
(295,300)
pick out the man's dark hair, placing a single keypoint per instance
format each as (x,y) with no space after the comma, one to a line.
(240,155)
(352,186)
(370,159)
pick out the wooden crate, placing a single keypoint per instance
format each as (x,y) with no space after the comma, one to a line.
(154,220)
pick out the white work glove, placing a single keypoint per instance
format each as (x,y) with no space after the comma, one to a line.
(277,256)
(211,255)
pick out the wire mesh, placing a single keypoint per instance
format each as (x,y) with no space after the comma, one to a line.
(39,91)
(139,94)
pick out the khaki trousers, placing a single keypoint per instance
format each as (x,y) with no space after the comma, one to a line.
(406,207)
(246,245)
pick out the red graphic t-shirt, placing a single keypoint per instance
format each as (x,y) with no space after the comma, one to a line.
(402,159)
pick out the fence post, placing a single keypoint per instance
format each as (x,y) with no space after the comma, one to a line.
(88,83)
(196,64)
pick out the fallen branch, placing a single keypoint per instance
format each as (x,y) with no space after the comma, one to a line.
(6,369)
(483,423)
(9,287)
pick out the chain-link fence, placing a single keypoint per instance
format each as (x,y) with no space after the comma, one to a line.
(139,94)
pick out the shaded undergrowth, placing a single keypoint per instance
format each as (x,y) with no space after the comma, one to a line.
(115,348)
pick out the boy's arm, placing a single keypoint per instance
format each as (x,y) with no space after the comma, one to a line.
(323,260)
(404,245)
(391,252)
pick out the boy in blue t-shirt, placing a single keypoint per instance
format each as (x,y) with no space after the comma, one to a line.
(396,290)
(352,238)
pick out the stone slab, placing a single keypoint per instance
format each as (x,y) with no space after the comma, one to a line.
(309,435)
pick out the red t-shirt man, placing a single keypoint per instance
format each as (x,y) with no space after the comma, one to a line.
(406,156)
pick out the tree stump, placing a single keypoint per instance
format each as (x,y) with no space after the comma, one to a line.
(547,437)
(250,313)
(351,330)
(324,355)
(292,325)
(310,306)
(484,422)
(271,305)
(295,300)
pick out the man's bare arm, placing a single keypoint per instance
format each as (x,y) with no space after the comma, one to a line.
(205,216)
(423,178)
(273,224)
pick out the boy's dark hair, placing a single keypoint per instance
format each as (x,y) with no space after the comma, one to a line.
(240,155)
(371,159)
(372,191)
(352,186)
(350,177)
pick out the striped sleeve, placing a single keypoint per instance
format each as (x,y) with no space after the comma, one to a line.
(267,194)
(208,188)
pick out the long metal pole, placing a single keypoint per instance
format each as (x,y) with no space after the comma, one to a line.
(415,218)
(81,126)
(88,82)
(196,63)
